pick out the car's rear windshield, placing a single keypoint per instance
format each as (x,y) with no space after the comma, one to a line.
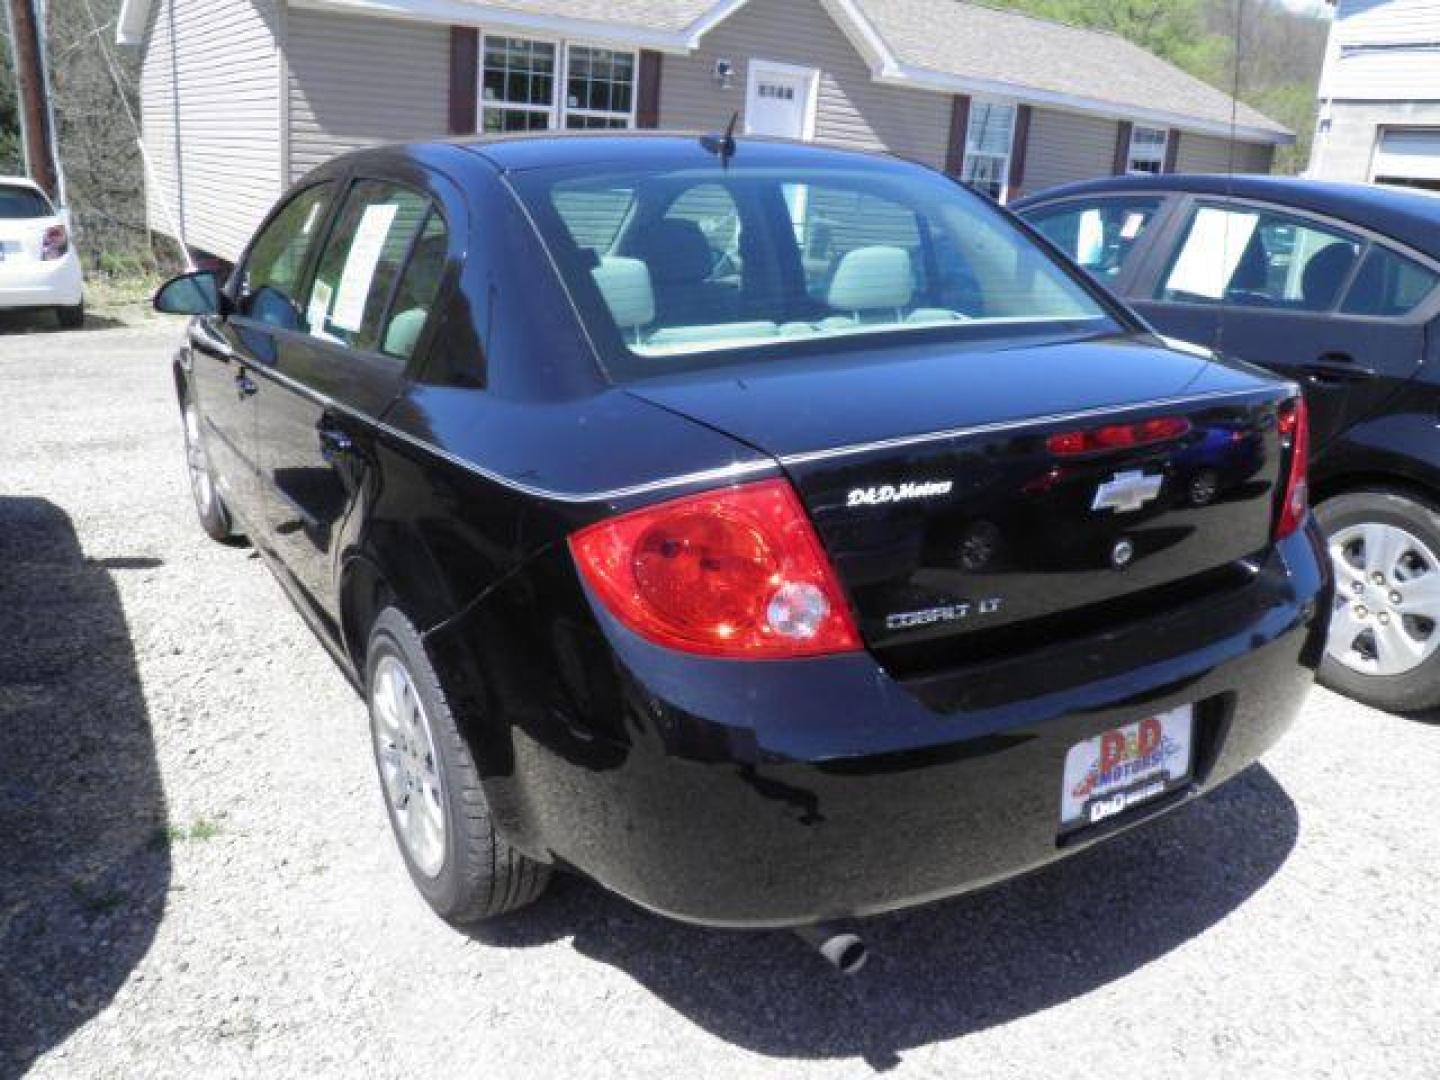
(686,267)
(17,202)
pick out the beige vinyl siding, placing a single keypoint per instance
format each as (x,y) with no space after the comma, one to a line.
(357,81)
(852,110)
(225,116)
(1065,147)
(1211,154)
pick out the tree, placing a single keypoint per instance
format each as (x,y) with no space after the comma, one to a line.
(1279,51)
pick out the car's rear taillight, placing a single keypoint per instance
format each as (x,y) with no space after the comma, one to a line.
(1294,427)
(55,243)
(735,573)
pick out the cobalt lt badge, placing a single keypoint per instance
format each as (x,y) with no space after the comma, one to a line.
(1126,491)
(1122,553)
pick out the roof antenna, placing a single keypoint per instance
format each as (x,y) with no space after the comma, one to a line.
(1230,162)
(723,145)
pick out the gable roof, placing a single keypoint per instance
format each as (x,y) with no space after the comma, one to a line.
(948,46)
(1000,51)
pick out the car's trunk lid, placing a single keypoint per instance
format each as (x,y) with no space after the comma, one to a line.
(949,516)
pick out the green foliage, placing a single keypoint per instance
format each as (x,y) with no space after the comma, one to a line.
(1279,52)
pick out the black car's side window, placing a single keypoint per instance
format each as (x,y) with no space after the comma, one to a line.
(1389,285)
(376,229)
(271,281)
(1098,235)
(1258,258)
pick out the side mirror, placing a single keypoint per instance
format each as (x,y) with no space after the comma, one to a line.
(196,293)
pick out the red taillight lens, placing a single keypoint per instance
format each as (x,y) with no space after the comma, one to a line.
(1293,424)
(737,573)
(1118,436)
(55,242)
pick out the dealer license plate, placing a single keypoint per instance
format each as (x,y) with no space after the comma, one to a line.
(1126,766)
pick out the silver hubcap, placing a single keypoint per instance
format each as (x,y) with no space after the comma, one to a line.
(1387,600)
(198,464)
(409,766)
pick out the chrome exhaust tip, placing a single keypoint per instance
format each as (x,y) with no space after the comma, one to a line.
(841,949)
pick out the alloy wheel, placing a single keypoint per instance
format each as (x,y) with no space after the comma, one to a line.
(409,767)
(198,463)
(1387,599)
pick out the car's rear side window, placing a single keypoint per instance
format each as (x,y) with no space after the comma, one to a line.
(1259,258)
(271,280)
(1099,235)
(1389,285)
(361,263)
(20,203)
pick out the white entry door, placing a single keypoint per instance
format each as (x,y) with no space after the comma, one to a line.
(780,100)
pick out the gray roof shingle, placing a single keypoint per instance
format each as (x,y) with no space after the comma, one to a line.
(666,16)
(973,41)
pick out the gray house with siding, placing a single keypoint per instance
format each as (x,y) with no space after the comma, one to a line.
(242,97)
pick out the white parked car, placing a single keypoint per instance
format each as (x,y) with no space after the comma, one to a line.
(38,264)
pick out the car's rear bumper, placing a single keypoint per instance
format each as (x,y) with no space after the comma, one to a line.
(57,283)
(783,793)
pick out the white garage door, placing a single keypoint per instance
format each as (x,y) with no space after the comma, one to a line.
(1408,154)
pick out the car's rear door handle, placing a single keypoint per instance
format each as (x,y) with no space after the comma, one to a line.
(1334,368)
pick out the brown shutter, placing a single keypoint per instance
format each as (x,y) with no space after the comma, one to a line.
(1017,150)
(464,79)
(1172,150)
(959,124)
(1122,148)
(647,100)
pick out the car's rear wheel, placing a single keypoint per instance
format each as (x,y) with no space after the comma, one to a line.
(209,506)
(1384,643)
(71,318)
(437,807)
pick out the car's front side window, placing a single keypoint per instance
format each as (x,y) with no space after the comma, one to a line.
(270,282)
(372,238)
(1259,258)
(1099,235)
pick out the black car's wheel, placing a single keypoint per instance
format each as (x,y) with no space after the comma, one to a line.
(465,871)
(209,506)
(1384,644)
(71,318)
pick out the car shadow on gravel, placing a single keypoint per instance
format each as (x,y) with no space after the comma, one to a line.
(84,858)
(944,971)
(37,322)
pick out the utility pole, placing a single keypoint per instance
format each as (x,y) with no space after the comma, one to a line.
(36,117)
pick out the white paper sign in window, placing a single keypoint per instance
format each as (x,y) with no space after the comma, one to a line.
(1212,252)
(359,274)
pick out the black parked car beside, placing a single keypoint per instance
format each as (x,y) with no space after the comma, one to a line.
(768,532)
(1333,285)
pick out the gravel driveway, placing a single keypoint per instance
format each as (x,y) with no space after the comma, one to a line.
(196,877)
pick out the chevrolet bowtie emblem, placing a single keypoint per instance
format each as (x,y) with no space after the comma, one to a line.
(1127,491)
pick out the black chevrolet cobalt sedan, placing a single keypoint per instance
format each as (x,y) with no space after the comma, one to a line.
(772,534)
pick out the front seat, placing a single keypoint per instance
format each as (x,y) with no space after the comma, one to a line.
(681,262)
(1324,274)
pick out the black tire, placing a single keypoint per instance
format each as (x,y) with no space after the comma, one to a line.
(1417,689)
(214,515)
(481,876)
(71,318)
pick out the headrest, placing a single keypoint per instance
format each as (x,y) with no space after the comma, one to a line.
(676,250)
(625,285)
(1325,273)
(872,278)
